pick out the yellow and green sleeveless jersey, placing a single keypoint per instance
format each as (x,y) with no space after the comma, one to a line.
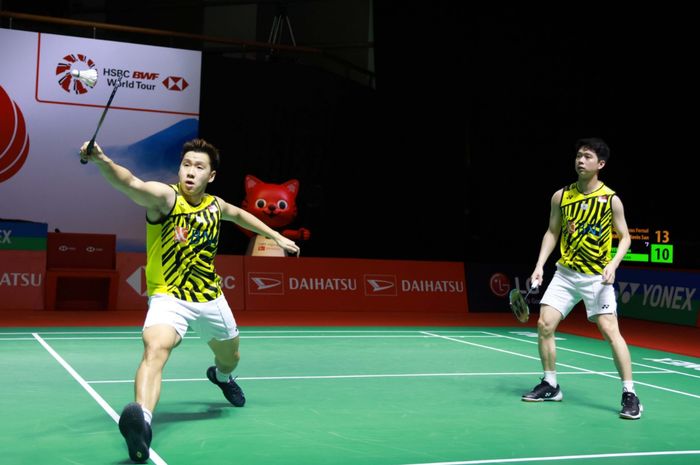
(181,250)
(586,229)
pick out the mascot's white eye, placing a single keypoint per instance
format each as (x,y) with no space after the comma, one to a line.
(260,203)
(282,204)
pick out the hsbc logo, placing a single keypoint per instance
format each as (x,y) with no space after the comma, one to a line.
(175,83)
(377,285)
(266,283)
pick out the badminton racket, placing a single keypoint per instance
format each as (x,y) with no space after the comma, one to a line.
(518,303)
(91,144)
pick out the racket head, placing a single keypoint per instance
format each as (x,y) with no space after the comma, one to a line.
(519,306)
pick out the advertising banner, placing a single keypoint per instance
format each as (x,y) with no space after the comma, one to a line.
(489,285)
(352,284)
(47,114)
(22,275)
(270,283)
(659,295)
(22,235)
(132,280)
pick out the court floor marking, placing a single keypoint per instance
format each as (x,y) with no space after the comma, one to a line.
(566,457)
(260,331)
(362,376)
(98,398)
(96,338)
(606,357)
(158,460)
(418,333)
(295,334)
(615,376)
(344,336)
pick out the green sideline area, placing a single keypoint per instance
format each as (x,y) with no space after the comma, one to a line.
(356,395)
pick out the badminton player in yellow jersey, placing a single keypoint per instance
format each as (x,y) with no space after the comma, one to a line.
(184,290)
(581,219)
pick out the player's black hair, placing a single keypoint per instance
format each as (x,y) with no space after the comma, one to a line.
(595,144)
(200,145)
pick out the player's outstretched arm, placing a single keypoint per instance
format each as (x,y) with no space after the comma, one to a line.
(248,221)
(155,196)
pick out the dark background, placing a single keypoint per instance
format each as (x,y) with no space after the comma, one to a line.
(470,128)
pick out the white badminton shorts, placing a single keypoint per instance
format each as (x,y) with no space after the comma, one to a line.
(569,287)
(211,320)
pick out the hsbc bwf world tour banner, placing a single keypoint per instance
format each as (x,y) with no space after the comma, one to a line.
(46,113)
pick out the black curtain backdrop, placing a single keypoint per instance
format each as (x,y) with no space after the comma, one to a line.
(469,132)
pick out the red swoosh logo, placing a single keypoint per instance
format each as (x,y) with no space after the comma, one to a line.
(14,140)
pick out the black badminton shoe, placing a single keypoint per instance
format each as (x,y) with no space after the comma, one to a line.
(631,408)
(543,392)
(231,390)
(136,431)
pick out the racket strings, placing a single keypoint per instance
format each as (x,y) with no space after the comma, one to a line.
(519,306)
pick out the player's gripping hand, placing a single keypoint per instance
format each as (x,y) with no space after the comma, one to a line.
(95,154)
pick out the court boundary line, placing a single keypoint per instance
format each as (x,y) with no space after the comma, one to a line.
(157,459)
(606,357)
(616,377)
(581,371)
(368,376)
(564,457)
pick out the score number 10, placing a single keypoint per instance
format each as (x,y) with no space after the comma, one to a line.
(662,251)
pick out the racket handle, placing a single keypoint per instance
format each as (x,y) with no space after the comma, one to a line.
(91,144)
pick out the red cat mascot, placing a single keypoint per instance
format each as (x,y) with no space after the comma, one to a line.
(275,205)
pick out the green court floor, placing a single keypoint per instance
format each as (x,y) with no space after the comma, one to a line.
(332,396)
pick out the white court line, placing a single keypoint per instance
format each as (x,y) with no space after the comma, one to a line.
(110,338)
(343,336)
(264,331)
(98,398)
(377,375)
(69,332)
(617,377)
(347,336)
(566,457)
(606,357)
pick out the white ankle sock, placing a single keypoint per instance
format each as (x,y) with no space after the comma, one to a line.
(222,377)
(628,386)
(551,378)
(147,415)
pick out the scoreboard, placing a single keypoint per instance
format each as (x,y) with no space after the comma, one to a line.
(649,245)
